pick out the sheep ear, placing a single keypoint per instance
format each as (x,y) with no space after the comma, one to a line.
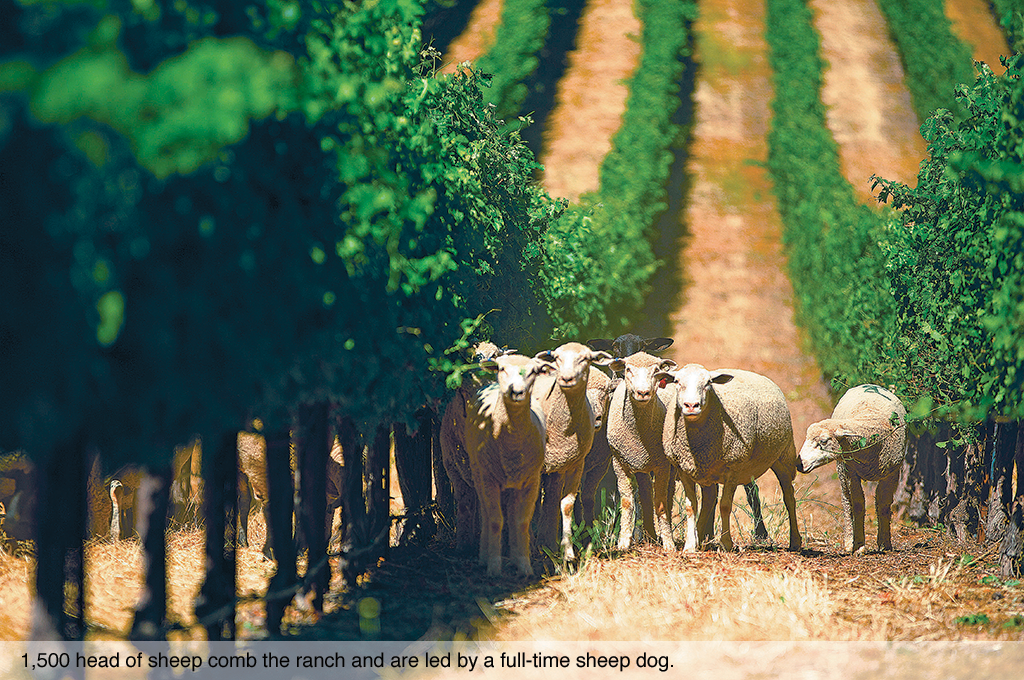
(545,355)
(616,365)
(655,345)
(666,365)
(601,344)
(845,432)
(601,358)
(546,368)
(506,351)
(721,377)
(489,365)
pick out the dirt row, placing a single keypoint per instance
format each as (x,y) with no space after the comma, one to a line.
(736,310)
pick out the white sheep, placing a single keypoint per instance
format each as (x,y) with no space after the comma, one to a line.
(453,451)
(505,446)
(867,437)
(635,419)
(729,427)
(571,422)
(599,460)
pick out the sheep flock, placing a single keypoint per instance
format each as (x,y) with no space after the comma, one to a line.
(531,440)
(526,441)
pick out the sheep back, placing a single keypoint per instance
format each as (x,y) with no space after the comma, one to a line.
(747,428)
(868,426)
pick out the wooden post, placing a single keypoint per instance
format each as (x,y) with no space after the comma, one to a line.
(313,444)
(413,465)
(151,505)
(218,593)
(279,529)
(60,520)
(378,482)
(443,494)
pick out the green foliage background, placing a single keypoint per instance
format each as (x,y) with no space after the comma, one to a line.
(934,59)
(219,210)
(929,299)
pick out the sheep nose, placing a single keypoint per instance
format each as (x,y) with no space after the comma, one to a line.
(692,407)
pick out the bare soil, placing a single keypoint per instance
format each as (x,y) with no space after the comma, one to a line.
(591,98)
(869,109)
(972,22)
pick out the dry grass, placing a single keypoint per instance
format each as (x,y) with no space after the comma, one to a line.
(662,596)
(929,588)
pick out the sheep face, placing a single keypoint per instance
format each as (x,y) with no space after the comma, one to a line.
(694,384)
(485,351)
(572,363)
(629,344)
(642,374)
(516,374)
(823,445)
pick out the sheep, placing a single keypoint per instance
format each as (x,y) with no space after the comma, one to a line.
(597,463)
(18,494)
(729,427)
(635,420)
(128,478)
(599,460)
(867,438)
(570,433)
(115,490)
(187,484)
(453,451)
(252,485)
(628,344)
(505,445)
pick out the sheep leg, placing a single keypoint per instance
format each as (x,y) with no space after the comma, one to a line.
(548,524)
(592,481)
(662,508)
(627,516)
(466,529)
(646,496)
(690,489)
(754,501)
(489,496)
(706,519)
(884,493)
(521,504)
(853,508)
(570,490)
(268,547)
(785,472)
(725,511)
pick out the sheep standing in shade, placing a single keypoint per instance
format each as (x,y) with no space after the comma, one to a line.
(570,423)
(729,427)
(453,451)
(867,438)
(635,419)
(599,391)
(505,445)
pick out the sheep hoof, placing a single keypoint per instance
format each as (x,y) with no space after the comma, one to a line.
(863,550)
